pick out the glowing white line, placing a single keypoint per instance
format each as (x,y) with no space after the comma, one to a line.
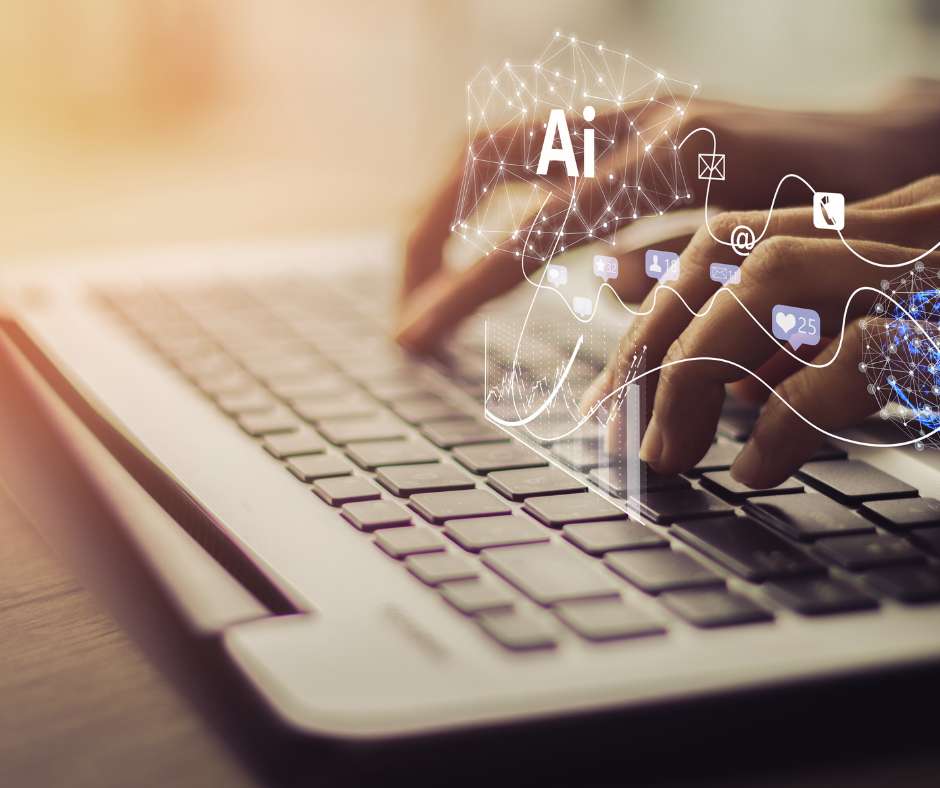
(773,203)
(754,375)
(889,265)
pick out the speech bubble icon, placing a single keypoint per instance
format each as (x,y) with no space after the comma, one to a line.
(662,266)
(725,273)
(605,267)
(796,325)
(556,274)
(582,306)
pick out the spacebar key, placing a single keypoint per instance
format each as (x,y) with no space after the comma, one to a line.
(549,573)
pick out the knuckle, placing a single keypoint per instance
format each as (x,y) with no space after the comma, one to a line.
(930,184)
(673,371)
(775,256)
(724,223)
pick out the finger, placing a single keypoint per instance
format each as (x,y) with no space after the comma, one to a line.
(423,248)
(925,190)
(777,368)
(788,430)
(690,393)
(425,244)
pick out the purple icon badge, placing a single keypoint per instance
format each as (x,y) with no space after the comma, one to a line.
(796,325)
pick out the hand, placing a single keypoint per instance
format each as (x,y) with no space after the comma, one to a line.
(856,154)
(794,264)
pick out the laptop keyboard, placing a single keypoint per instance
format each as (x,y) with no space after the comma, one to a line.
(473,513)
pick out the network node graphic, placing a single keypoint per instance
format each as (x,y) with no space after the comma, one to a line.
(568,148)
(901,353)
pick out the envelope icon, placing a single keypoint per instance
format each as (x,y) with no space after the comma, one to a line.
(711,166)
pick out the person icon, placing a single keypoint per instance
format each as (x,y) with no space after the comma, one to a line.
(656,268)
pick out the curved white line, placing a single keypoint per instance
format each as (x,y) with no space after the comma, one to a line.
(864,259)
(505,423)
(711,302)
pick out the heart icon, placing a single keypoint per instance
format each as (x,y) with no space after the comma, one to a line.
(786,321)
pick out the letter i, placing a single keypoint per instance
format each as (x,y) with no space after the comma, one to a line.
(588,166)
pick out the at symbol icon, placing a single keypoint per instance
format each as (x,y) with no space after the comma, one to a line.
(743,240)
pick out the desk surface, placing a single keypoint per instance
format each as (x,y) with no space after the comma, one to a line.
(82,706)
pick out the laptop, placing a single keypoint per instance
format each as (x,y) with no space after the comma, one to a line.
(401,565)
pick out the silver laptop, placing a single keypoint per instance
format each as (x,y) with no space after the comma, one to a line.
(401,565)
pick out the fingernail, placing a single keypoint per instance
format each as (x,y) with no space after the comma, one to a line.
(748,465)
(652,446)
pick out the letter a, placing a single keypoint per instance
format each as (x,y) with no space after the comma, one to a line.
(557,124)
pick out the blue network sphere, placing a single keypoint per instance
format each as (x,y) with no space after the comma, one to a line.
(901,353)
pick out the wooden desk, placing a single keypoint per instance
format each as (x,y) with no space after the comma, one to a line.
(81,705)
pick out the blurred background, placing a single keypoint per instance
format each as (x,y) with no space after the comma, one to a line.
(126,122)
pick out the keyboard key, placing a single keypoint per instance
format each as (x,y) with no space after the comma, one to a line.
(581,454)
(393,390)
(225,383)
(487,457)
(458,432)
(318,466)
(330,387)
(401,542)
(719,457)
(607,619)
(294,444)
(868,551)
(904,513)
(478,533)
(371,455)
(549,573)
(437,568)
(438,507)
(476,596)
(602,537)
(269,422)
(854,481)
(425,409)
(655,571)
(525,483)
(616,480)
(675,505)
(819,596)
(372,515)
(345,489)
(276,367)
(907,583)
(405,480)
(927,539)
(736,424)
(807,516)
(714,608)
(343,431)
(253,401)
(747,548)
(559,510)
(722,483)
(516,630)
(351,405)
(828,452)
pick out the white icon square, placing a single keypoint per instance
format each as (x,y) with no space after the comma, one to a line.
(711,166)
(828,211)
